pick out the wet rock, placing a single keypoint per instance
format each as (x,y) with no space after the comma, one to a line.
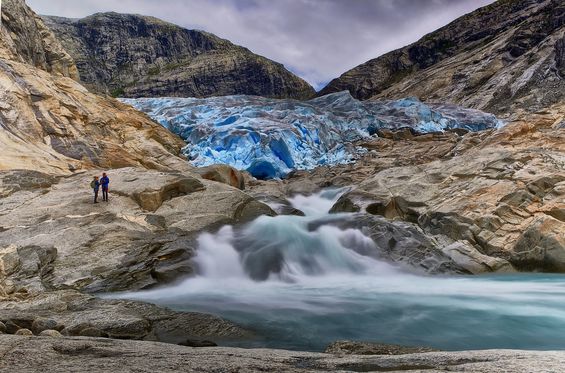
(541,246)
(469,258)
(3,328)
(85,315)
(401,243)
(371,348)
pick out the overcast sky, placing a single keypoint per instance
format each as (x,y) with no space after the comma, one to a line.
(316,39)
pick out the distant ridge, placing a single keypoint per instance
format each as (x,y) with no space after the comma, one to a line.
(138,56)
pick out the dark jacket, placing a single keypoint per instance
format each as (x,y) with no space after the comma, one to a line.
(95,184)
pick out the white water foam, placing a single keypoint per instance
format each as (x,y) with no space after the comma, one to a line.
(297,281)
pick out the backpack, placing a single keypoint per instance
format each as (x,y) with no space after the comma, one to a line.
(93,184)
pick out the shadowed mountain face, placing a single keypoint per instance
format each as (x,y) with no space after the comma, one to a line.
(137,56)
(501,58)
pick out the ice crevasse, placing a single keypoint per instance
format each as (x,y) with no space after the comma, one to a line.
(271,137)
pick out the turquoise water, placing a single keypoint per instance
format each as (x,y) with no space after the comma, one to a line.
(521,311)
(323,291)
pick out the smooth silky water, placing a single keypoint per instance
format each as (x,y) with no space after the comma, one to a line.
(297,282)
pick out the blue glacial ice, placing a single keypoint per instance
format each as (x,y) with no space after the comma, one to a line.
(271,137)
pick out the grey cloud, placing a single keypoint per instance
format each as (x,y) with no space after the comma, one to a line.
(317,39)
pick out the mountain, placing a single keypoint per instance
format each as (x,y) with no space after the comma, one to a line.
(504,57)
(51,123)
(137,56)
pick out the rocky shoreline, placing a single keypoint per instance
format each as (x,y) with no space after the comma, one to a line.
(20,353)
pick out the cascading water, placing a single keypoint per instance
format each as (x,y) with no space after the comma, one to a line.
(288,248)
(301,283)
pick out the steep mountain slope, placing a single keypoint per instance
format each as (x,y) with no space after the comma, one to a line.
(500,58)
(49,122)
(137,56)
(25,38)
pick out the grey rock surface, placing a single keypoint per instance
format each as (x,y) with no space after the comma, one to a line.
(55,238)
(136,56)
(402,244)
(78,314)
(103,355)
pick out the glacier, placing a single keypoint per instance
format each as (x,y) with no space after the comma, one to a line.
(269,138)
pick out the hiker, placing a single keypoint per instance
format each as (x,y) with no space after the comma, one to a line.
(105,182)
(95,185)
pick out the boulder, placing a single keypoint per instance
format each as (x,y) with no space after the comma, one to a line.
(402,243)
(24,331)
(469,258)
(11,327)
(41,324)
(224,174)
(50,333)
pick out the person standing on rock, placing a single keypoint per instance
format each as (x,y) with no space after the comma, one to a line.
(105,182)
(95,185)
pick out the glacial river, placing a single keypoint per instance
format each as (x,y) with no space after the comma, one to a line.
(325,291)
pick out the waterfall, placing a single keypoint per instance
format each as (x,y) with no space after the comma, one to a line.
(301,283)
(288,248)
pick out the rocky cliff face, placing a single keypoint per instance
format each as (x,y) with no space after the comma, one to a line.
(49,122)
(501,58)
(25,38)
(136,56)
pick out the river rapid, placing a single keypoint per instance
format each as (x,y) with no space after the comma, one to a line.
(298,284)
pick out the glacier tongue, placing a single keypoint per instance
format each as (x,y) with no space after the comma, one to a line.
(270,137)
